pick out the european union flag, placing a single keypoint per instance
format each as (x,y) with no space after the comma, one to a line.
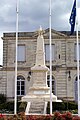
(73,17)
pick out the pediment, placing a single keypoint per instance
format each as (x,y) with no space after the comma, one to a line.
(54,34)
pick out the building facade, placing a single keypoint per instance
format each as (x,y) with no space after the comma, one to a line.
(64,63)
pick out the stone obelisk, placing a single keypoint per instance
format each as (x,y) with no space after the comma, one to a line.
(39,71)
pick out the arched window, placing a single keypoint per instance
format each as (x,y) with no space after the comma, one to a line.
(20,85)
(53,84)
(76,88)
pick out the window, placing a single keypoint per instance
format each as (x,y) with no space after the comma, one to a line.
(53,84)
(47,52)
(21,55)
(75,51)
(76,88)
(20,85)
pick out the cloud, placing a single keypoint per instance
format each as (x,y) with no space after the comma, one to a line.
(33,13)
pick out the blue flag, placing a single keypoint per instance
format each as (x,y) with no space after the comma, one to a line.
(73,18)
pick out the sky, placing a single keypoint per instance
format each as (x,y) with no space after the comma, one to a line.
(33,13)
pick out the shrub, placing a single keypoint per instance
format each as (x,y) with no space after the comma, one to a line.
(63,106)
(2,117)
(2,98)
(68,116)
(56,116)
(64,116)
(22,106)
(39,117)
(10,106)
(70,105)
(7,107)
(56,106)
(76,118)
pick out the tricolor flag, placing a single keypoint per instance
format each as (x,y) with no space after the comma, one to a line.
(73,17)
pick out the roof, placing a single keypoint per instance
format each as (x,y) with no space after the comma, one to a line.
(31,34)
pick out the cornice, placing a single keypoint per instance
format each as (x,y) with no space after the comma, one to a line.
(13,69)
(54,68)
(33,38)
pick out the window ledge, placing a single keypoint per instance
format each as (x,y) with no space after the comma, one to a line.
(52,61)
(20,95)
(20,61)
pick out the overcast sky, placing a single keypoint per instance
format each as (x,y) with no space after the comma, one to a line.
(33,13)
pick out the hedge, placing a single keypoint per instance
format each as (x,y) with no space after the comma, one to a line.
(63,106)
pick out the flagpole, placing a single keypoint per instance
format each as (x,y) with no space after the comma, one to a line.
(15,101)
(50,59)
(77,59)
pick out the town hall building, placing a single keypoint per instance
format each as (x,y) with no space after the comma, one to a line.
(64,63)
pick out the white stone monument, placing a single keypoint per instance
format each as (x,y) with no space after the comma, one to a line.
(39,90)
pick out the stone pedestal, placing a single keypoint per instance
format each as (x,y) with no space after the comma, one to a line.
(39,89)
